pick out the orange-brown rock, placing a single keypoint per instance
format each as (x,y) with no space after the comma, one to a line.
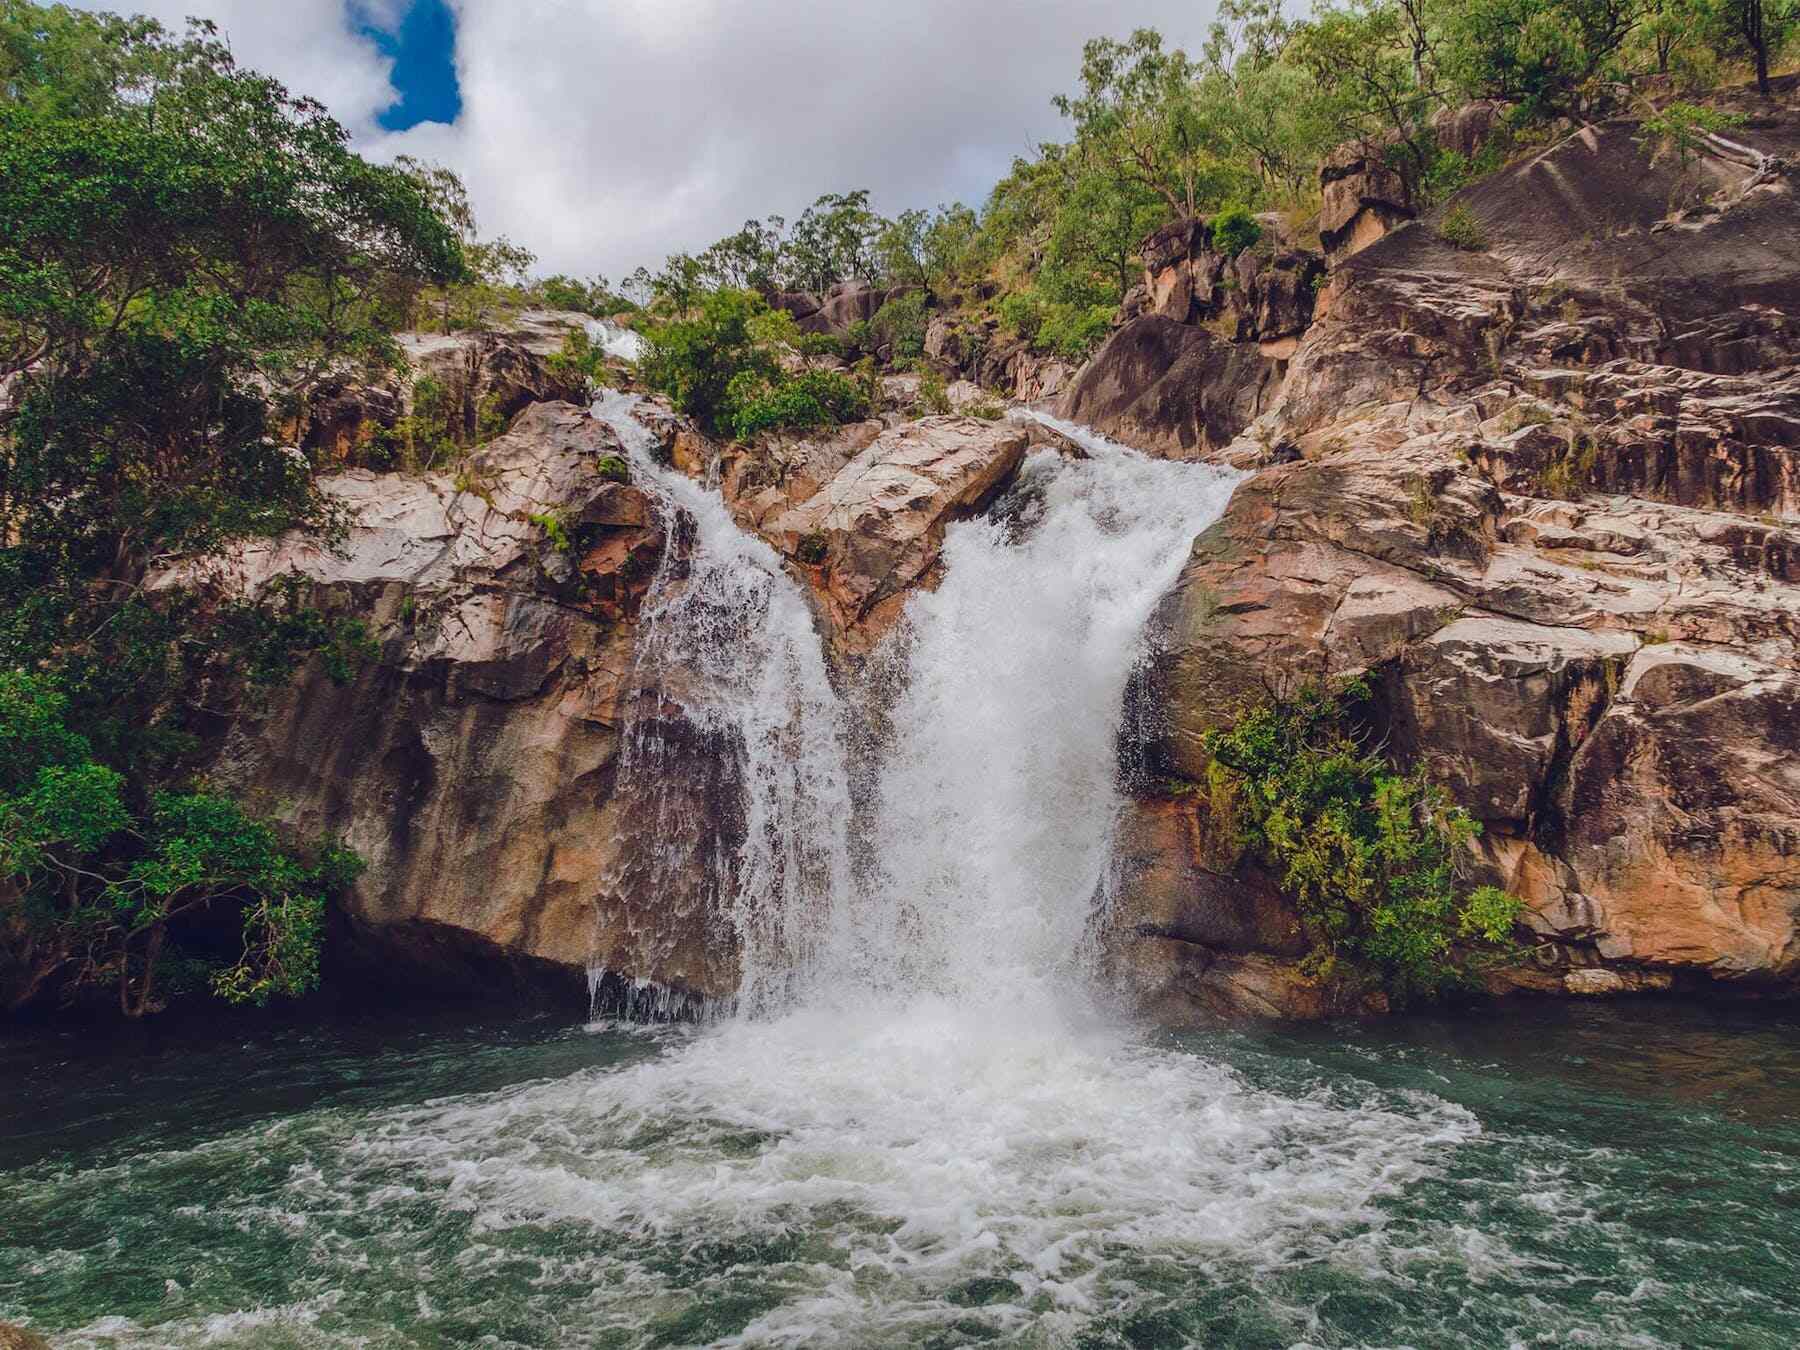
(872,532)
(472,764)
(1545,498)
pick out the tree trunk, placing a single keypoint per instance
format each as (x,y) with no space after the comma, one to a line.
(151,952)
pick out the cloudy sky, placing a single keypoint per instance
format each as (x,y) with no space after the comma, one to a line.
(607,133)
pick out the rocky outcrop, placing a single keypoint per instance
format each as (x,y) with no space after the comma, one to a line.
(835,310)
(1202,348)
(1170,388)
(1543,497)
(472,764)
(871,533)
(478,380)
(1364,198)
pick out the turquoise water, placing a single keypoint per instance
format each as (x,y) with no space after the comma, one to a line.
(1614,1175)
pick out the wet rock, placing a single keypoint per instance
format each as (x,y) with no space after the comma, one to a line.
(872,533)
(471,765)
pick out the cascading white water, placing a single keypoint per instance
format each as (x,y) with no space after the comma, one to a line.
(918,1090)
(726,643)
(992,829)
(918,1129)
(615,339)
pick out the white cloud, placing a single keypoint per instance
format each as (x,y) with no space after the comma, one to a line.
(607,133)
(309,45)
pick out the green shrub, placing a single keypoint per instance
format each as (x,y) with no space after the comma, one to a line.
(820,344)
(900,323)
(812,548)
(555,528)
(933,395)
(581,363)
(1368,854)
(1074,330)
(613,467)
(1682,128)
(1449,171)
(695,360)
(1460,229)
(815,398)
(1234,229)
(1021,313)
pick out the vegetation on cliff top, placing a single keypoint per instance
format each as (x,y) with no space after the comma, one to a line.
(1241,128)
(186,250)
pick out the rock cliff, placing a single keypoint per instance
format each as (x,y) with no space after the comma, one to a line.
(1544,493)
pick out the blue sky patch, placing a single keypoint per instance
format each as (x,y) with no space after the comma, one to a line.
(423,48)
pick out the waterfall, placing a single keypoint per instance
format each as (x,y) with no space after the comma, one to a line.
(615,339)
(998,793)
(985,828)
(730,687)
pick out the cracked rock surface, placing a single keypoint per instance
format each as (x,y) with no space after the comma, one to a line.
(1547,497)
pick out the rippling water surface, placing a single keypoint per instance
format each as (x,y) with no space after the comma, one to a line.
(924,1126)
(1606,1175)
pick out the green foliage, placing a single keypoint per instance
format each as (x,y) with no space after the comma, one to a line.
(1021,314)
(803,402)
(723,366)
(595,297)
(1681,129)
(1073,331)
(900,323)
(186,252)
(1369,855)
(1448,172)
(820,344)
(694,360)
(556,529)
(812,548)
(91,890)
(580,362)
(1234,229)
(1460,229)
(1547,56)
(934,397)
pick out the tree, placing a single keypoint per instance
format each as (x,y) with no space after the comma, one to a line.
(1138,119)
(89,894)
(1755,29)
(1367,64)
(494,269)
(749,259)
(1545,55)
(186,250)
(833,241)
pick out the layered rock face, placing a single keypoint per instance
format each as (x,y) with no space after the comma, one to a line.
(1205,347)
(472,765)
(1544,495)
